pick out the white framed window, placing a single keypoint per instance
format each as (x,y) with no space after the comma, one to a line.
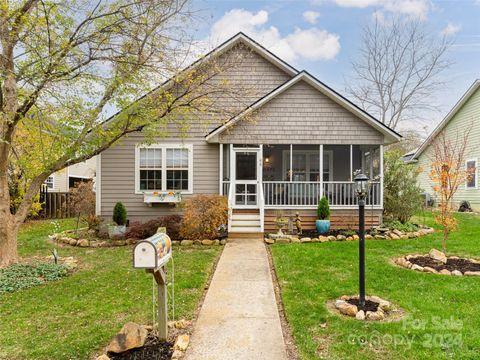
(50,182)
(471,168)
(164,167)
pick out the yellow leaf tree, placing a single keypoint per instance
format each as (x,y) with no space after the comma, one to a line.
(448,172)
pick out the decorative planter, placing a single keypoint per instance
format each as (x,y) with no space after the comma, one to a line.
(116,230)
(323,226)
(170,197)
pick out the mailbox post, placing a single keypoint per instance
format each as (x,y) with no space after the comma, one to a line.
(152,254)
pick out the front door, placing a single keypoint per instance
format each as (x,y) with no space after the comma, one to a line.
(247,174)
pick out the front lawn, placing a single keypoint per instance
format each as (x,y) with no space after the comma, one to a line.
(442,322)
(74,317)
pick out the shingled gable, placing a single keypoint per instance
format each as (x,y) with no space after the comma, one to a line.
(390,135)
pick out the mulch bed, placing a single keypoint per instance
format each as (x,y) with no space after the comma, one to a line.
(152,350)
(451,265)
(369,305)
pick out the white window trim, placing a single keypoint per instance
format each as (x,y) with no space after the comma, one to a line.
(164,148)
(476,174)
(53,182)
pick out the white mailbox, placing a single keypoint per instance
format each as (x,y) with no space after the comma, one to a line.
(154,252)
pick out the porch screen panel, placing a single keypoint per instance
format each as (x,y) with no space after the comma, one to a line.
(337,185)
(276,174)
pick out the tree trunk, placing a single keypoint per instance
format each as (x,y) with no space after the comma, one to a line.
(8,241)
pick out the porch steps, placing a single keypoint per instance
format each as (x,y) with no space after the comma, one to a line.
(245,223)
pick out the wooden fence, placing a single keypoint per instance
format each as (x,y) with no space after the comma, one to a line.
(55,205)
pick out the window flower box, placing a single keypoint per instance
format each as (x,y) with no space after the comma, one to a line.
(171,197)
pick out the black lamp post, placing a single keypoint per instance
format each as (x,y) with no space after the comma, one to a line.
(361,189)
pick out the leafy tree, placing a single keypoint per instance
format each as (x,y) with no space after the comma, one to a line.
(401,193)
(447,171)
(65,65)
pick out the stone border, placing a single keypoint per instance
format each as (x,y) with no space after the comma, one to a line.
(85,243)
(403,261)
(386,311)
(387,235)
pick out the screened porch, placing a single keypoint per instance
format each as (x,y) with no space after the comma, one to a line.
(299,175)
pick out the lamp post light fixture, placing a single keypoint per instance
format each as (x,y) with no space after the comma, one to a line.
(361,190)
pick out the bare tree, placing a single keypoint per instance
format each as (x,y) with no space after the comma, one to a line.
(397,70)
(64,64)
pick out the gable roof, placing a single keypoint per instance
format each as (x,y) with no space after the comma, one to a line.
(471,90)
(220,49)
(389,134)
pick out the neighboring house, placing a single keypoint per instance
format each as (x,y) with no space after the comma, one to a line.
(305,141)
(63,180)
(465,115)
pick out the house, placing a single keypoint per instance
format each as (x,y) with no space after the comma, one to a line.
(306,140)
(464,116)
(62,181)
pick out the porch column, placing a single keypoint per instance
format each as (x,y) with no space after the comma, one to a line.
(381,176)
(220,184)
(321,171)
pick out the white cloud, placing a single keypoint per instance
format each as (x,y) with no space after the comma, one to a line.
(416,8)
(310,44)
(311,16)
(450,29)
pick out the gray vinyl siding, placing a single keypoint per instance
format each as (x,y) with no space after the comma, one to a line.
(302,115)
(467,116)
(254,74)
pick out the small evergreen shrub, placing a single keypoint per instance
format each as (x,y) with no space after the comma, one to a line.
(22,276)
(323,209)
(119,214)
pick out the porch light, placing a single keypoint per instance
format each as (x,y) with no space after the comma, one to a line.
(267,159)
(361,186)
(361,190)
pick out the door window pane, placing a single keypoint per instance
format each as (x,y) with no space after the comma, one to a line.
(246,166)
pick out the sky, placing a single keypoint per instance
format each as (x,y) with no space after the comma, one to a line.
(323,36)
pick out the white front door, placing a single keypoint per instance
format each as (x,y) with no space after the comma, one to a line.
(247,172)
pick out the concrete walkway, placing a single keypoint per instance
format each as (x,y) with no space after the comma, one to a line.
(239,317)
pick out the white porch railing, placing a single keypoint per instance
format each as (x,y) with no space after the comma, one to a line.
(338,193)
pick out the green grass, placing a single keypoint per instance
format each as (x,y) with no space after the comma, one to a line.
(312,274)
(74,317)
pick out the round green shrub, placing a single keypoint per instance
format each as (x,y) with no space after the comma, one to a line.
(119,214)
(323,209)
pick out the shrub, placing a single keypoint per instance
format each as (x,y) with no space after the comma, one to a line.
(402,195)
(172,223)
(323,209)
(203,216)
(405,227)
(22,276)
(119,214)
(82,203)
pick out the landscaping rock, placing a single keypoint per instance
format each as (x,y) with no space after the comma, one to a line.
(437,256)
(417,267)
(186,242)
(269,241)
(182,342)
(397,232)
(103,357)
(404,236)
(331,238)
(177,354)
(349,238)
(216,242)
(130,336)
(83,243)
(380,237)
(411,235)
(445,272)
(197,242)
(375,316)
(401,261)
(305,239)
(223,241)
(315,239)
(341,237)
(430,270)
(368,237)
(394,236)
(181,324)
(283,241)
(360,315)
(323,238)
(356,237)
(175,242)
(457,273)
(472,273)
(348,309)
(295,240)
(384,305)
(72,242)
(207,242)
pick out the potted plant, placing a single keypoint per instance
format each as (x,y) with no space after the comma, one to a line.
(323,213)
(120,219)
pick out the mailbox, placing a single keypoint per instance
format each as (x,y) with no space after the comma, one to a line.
(152,253)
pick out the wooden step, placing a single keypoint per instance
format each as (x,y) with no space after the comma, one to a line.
(242,235)
(245,229)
